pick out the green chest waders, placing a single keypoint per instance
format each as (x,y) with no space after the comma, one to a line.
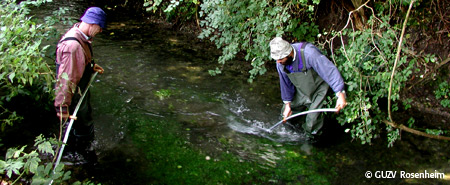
(83,124)
(310,92)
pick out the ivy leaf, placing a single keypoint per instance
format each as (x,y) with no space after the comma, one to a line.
(33,164)
(46,147)
(2,164)
(13,166)
(14,153)
(11,76)
(48,168)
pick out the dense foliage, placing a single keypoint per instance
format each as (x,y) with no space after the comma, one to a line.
(19,162)
(248,25)
(244,26)
(368,60)
(365,62)
(21,55)
(23,71)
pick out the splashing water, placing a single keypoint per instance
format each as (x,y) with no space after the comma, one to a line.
(242,120)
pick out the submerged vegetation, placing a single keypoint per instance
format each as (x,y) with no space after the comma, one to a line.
(173,159)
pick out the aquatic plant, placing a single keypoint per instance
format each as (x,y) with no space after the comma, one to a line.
(163,94)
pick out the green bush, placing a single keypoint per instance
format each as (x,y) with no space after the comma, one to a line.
(19,163)
(174,10)
(23,71)
(244,26)
(21,54)
(366,62)
(443,93)
(248,25)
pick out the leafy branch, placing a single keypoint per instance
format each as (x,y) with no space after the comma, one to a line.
(364,59)
(390,122)
(18,162)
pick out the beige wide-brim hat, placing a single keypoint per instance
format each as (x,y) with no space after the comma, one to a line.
(279,48)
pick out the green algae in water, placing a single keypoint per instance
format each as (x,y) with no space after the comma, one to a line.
(171,158)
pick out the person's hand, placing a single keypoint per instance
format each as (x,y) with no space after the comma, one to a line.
(341,102)
(63,113)
(287,111)
(98,69)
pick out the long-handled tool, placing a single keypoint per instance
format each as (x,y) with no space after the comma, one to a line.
(73,117)
(302,113)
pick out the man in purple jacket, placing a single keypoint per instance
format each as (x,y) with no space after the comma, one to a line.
(304,84)
(74,59)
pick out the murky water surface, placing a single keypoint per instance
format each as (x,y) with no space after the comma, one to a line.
(165,76)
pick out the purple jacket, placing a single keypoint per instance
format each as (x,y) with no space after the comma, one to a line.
(314,60)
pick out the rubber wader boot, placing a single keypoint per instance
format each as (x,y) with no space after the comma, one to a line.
(83,144)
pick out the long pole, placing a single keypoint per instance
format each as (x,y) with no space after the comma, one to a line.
(303,113)
(69,127)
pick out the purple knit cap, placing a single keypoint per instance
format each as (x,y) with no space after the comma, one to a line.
(95,15)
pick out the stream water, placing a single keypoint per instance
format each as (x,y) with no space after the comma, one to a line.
(156,73)
(162,75)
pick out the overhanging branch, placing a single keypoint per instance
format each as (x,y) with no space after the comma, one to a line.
(413,131)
